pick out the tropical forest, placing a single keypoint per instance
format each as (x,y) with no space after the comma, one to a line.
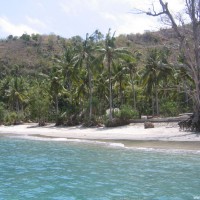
(99,79)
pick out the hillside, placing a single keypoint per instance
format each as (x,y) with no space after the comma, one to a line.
(34,53)
(29,52)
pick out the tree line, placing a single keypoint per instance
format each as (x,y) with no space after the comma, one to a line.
(96,81)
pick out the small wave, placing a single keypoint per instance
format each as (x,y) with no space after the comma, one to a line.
(167,151)
(116,145)
(46,138)
(58,139)
(38,138)
(108,144)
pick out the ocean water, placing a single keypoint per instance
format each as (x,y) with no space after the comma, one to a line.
(59,170)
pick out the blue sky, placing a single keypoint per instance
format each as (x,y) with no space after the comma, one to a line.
(69,18)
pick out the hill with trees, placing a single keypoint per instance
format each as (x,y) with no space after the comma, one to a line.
(47,78)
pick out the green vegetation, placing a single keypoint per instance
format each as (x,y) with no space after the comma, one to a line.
(186,31)
(46,78)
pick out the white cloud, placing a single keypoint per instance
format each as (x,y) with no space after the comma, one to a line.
(134,24)
(40,5)
(125,22)
(72,7)
(35,21)
(91,5)
(174,5)
(76,6)
(7,27)
(82,16)
(65,8)
(108,16)
(138,23)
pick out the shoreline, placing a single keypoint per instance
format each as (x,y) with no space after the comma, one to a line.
(163,136)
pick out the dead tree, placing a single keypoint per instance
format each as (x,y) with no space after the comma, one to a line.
(189,47)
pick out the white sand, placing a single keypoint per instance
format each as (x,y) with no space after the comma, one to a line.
(161,132)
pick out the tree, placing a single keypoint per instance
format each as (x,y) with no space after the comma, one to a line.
(16,92)
(156,70)
(10,37)
(188,36)
(56,88)
(130,63)
(86,58)
(26,38)
(150,77)
(101,90)
(110,54)
(70,72)
(39,101)
(120,80)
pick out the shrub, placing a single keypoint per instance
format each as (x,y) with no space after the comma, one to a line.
(94,121)
(10,118)
(13,118)
(121,116)
(169,109)
(127,112)
(39,106)
(61,119)
(2,113)
(20,118)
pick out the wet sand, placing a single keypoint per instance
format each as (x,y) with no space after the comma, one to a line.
(163,136)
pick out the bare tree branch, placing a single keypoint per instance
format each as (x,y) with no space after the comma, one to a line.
(137,11)
(165,11)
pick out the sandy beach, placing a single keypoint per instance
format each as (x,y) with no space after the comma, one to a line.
(164,135)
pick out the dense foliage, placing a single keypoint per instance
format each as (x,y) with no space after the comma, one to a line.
(73,81)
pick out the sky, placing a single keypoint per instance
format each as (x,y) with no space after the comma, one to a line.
(69,18)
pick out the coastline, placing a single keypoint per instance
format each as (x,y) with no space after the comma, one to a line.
(163,136)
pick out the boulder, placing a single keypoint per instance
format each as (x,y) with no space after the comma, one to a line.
(143,117)
(115,122)
(114,110)
(148,125)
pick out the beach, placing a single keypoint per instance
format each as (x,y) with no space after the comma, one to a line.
(164,135)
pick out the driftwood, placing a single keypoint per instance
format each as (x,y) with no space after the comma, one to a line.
(192,123)
(186,125)
(160,120)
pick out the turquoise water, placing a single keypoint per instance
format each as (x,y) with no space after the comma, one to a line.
(63,170)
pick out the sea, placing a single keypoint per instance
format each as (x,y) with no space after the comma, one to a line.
(61,169)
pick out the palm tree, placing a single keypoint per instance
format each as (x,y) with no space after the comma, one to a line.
(16,93)
(39,100)
(120,80)
(156,69)
(101,91)
(56,88)
(110,54)
(86,58)
(130,64)
(70,71)
(70,75)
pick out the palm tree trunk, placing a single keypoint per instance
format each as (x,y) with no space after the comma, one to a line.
(120,92)
(17,105)
(133,91)
(153,113)
(56,102)
(91,92)
(157,103)
(185,91)
(110,90)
